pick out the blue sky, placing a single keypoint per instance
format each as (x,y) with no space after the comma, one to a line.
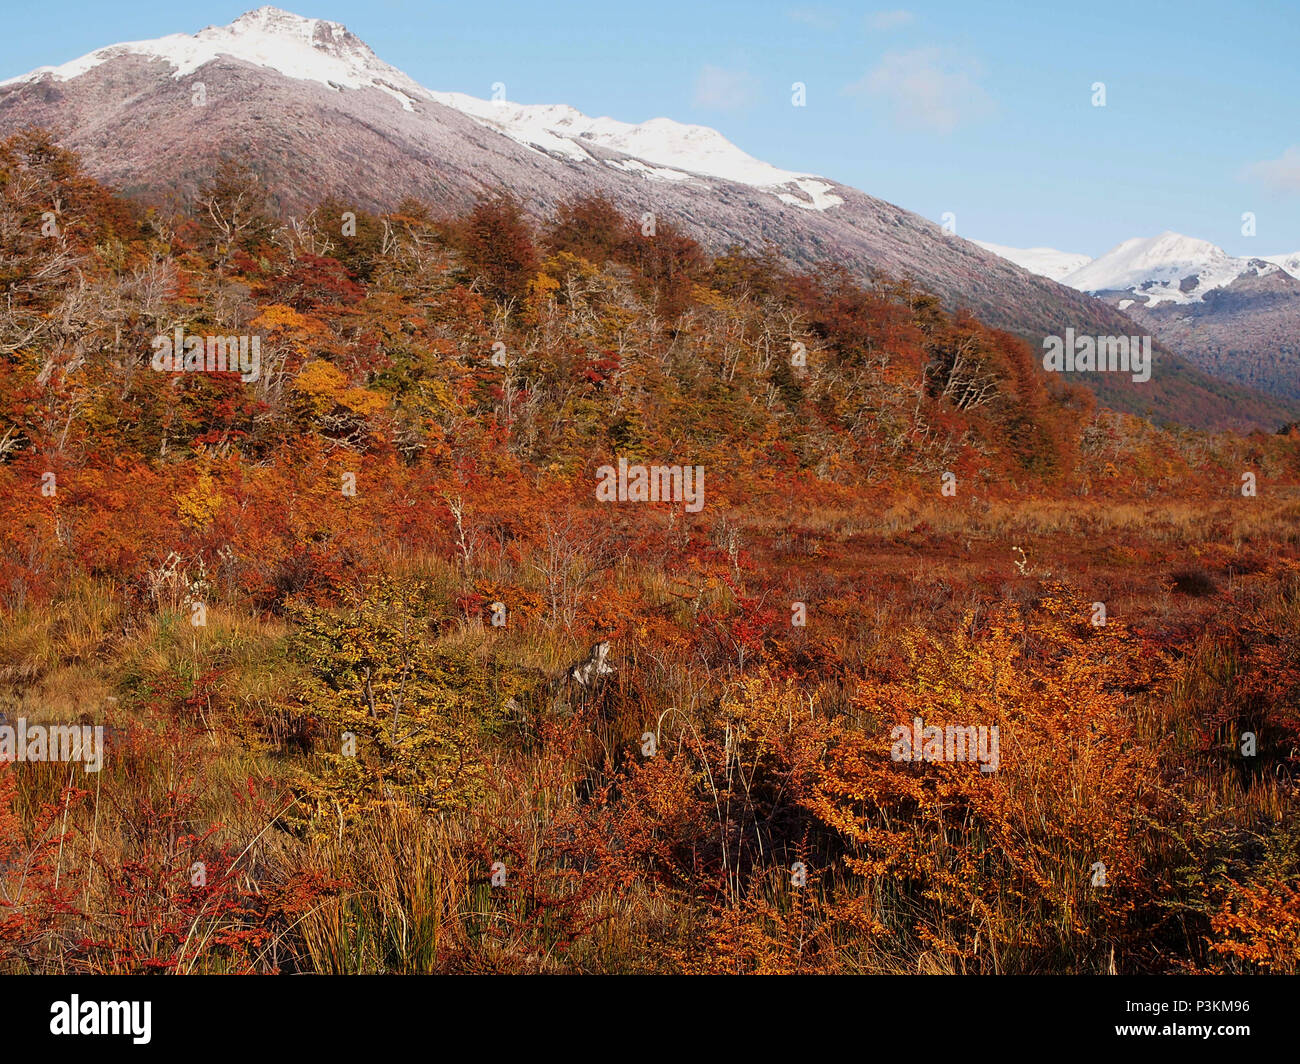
(982,109)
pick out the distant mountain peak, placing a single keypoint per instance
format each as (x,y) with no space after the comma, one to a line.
(332,38)
(276,20)
(1235,316)
(302,48)
(1167,268)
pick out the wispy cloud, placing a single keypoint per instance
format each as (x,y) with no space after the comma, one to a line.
(1279,175)
(819,18)
(888,20)
(725,90)
(927,88)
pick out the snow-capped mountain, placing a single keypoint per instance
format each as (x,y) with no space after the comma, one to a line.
(328,54)
(1237,318)
(1046,262)
(317,114)
(302,48)
(1169,268)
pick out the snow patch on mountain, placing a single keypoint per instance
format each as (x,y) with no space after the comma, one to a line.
(326,52)
(1046,262)
(656,173)
(675,150)
(1290,263)
(307,49)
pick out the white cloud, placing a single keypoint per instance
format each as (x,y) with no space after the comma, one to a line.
(725,90)
(927,88)
(888,20)
(1279,175)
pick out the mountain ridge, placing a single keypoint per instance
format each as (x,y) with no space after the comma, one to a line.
(328,53)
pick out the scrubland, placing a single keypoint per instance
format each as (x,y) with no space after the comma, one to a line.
(326,615)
